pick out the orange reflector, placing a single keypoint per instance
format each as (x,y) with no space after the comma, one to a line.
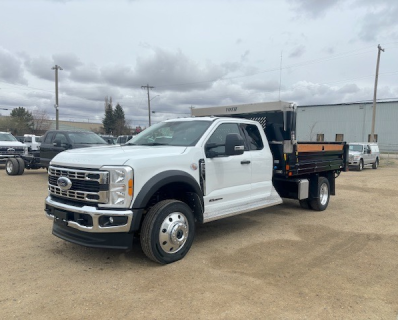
(290,174)
(287,167)
(130,187)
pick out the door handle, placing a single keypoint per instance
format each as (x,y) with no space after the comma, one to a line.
(245,162)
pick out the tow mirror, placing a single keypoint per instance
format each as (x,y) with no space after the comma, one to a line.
(234,144)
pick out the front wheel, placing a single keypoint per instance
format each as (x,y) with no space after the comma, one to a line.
(321,203)
(168,231)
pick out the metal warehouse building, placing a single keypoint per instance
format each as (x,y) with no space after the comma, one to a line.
(349,122)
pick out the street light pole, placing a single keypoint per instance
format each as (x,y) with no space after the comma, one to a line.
(56,68)
(372,134)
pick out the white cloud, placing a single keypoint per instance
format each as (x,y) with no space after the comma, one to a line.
(11,68)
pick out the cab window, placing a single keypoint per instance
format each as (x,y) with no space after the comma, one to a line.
(253,136)
(216,143)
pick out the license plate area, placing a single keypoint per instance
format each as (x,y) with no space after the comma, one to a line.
(60,217)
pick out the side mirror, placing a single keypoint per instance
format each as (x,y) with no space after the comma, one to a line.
(57,143)
(234,144)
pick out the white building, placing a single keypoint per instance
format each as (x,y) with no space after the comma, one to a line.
(349,122)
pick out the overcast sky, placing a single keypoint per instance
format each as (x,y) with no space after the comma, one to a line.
(194,53)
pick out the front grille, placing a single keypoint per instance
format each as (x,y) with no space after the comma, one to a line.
(91,186)
(11,150)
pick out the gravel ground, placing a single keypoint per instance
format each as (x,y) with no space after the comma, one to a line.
(279,263)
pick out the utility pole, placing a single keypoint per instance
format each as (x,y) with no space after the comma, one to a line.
(149,102)
(56,68)
(372,134)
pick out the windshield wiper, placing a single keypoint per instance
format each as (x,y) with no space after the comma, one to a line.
(154,144)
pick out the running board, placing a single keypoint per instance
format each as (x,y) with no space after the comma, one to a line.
(272,200)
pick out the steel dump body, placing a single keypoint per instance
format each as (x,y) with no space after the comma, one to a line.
(291,158)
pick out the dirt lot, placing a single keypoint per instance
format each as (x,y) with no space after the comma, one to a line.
(279,263)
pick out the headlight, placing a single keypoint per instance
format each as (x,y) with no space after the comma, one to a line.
(25,150)
(121,186)
(357,157)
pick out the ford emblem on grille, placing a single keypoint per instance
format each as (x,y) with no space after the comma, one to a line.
(10,149)
(64,183)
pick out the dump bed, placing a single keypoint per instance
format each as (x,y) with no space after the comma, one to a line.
(278,120)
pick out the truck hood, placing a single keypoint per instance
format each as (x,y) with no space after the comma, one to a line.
(12,144)
(96,157)
(354,153)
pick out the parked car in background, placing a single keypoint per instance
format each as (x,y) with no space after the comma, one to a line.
(10,146)
(363,154)
(53,142)
(123,139)
(32,141)
(108,138)
(20,138)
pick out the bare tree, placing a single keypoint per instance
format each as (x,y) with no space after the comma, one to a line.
(41,122)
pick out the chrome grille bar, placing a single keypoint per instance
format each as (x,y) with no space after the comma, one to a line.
(84,182)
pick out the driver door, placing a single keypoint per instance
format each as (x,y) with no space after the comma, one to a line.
(228,178)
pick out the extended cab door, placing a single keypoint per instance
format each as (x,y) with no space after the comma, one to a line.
(261,161)
(228,178)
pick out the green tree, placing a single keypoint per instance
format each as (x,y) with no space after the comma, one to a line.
(109,121)
(120,121)
(22,121)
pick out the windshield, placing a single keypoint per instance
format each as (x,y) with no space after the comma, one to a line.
(86,138)
(7,137)
(355,147)
(174,133)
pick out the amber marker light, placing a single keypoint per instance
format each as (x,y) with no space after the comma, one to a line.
(131,187)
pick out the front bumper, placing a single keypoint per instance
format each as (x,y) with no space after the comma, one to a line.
(85,225)
(76,217)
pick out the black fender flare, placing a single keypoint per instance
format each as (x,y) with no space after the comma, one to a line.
(162,179)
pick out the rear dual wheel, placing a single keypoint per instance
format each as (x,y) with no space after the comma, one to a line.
(320,203)
(15,166)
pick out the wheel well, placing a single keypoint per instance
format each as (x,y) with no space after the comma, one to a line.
(181,191)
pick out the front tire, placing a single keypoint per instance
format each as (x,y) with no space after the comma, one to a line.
(375,165)
(321,203)
(168,231)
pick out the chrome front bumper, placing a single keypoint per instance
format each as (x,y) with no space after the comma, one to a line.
(95,214)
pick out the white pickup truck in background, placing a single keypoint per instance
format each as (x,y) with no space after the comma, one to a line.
(186,171)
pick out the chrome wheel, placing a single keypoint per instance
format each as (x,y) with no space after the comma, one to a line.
(9,167)
(168,231)
(324,194)
(173,232)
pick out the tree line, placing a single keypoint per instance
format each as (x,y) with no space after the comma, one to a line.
(22,121)
(114,121)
